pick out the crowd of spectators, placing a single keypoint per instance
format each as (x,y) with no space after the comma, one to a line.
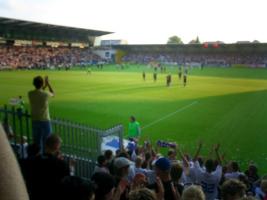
(212,59)
(44,57)
(140,173)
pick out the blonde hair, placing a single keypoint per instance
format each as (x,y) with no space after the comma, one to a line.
(264,185)
(142,194)
(193,192)
(233,189)
(176,172)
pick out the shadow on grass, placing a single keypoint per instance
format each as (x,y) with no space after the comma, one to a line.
(237,121)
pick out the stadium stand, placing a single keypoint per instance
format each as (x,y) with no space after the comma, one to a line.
(253,55)
(44,57)
(205,59)
(26,44)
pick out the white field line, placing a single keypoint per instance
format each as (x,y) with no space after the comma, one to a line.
(169,115)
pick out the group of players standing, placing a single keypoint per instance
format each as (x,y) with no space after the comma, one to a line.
(169,77)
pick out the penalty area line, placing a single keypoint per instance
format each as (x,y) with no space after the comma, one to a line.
(169,115)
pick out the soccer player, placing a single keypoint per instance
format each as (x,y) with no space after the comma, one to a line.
(185,79)
(161,69)
(155,76)
(202,66)
(185,75)
(134,130)
(164,69)
(89,70)
(180,72)
(144,75)
(185,70)
(168,80)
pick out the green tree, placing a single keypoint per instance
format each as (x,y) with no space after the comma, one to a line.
(197,40)
(174,40)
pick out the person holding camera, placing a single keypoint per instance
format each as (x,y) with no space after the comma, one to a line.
(38,99)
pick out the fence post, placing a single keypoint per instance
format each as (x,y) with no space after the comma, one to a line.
(13,113)
(5,112)
(121,137)
(99,143)
(81,142)
(27,126)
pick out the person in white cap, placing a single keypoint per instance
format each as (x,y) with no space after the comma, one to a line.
(122,166)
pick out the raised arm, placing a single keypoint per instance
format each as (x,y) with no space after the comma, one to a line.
(198,151)
(216,149)
(47,84)
(185,161)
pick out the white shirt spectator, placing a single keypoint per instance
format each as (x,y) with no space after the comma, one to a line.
(101,169)
(131,174)
(208,181)
(140,171)
(189,175)
(233,175)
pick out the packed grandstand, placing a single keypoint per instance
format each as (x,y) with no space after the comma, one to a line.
(19,57)
(206,59)
(47,57)
(226,55)
(140,171)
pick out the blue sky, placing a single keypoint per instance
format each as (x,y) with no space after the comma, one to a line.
(151,21)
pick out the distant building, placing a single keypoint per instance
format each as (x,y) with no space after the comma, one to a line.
(193,42)
(214,42)
(112,42)
(256,41)
(243,42)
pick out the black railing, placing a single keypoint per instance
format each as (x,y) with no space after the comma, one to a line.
(81,143)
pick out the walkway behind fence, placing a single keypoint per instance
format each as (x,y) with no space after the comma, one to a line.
(81,143)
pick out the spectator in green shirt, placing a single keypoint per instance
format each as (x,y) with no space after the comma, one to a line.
(134,129)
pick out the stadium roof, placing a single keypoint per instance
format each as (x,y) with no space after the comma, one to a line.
(28,30)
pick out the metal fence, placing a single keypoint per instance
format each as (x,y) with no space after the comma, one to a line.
(81,143)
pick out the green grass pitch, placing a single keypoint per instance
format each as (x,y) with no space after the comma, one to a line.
(228,106)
